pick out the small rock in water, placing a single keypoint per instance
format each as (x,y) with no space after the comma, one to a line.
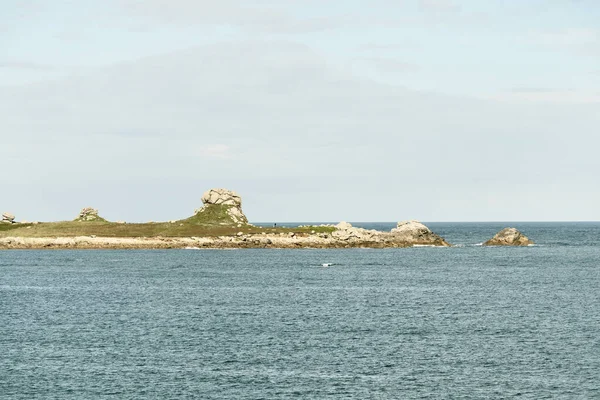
(509,237)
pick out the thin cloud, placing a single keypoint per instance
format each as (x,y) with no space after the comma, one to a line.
(221,151)
(548,95)
(579,41)
(390,64)
(256,17)
(566,37)
(446,6)
(538,90)
(384,47)
(24,65)
(263,110)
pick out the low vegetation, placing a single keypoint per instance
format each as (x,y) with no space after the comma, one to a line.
(213,221)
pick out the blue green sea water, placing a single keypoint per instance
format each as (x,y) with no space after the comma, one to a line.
(461,322)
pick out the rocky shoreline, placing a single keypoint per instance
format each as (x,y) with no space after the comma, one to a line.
(219,224)
(184,243)
(408,234)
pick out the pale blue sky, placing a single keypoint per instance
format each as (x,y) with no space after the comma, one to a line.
(441,109)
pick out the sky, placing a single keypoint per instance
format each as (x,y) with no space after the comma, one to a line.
(329,110)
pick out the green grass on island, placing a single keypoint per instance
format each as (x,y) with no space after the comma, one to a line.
(213,221)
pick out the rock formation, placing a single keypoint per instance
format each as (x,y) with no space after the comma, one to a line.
(416,233)
(345,231)
(408,233)
(509,237)
(89,214)
(8,218)
(224,205)
(222,196)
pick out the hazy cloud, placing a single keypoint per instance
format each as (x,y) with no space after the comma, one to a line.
(567,37)
(275,121)
(376,47)
(288,124)
(24,65)
(538,90)
(440,5)
(257,16)
(584,41)
(550,95)
(216,151)
(386,64)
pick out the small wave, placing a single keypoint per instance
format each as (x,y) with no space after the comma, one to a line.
(478,244)
(191,248)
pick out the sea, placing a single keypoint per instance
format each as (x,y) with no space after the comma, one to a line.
(466,322)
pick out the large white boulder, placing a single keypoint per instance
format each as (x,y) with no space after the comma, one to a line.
(414,232)
(222,196)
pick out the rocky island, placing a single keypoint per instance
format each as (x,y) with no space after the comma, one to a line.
(509,237)
(219,223)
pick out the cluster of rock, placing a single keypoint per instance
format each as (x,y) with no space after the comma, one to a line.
(344,236)
(228,198)
(407,233)
(509,237)
(226,206)
(346,232)
(8,218)
(222,196)
(88,214)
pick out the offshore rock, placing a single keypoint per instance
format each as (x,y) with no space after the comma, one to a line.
(407,234)
(509,237)
(415,232)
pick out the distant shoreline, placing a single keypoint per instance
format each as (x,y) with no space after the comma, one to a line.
(220,242)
